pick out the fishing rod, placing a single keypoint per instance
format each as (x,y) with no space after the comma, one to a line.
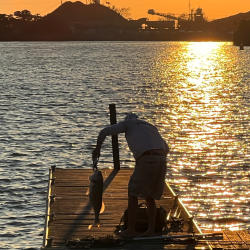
(210,236)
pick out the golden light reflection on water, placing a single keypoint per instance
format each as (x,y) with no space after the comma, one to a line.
(205,119)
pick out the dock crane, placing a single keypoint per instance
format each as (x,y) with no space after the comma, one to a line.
(152,12)
(177,20)
(194,21)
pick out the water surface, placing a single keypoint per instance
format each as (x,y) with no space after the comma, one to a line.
(54,100)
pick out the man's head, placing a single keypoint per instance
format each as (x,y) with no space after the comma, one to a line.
(130,116)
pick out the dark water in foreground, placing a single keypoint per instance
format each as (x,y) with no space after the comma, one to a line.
(54,99)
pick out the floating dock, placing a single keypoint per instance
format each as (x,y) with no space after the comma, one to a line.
(69,214)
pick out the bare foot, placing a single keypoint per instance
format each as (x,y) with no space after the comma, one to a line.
(127,234)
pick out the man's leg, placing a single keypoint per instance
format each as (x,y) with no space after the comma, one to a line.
(132,206)
(151,208)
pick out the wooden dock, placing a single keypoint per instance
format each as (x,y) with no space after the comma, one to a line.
(69,213)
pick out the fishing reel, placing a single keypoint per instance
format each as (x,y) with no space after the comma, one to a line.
(175,224)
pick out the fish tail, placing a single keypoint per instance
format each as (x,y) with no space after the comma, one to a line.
(102,208)
(87,192)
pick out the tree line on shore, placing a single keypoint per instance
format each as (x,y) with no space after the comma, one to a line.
(23,16)
(13,23)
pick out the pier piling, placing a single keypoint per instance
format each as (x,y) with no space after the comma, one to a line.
(115,145)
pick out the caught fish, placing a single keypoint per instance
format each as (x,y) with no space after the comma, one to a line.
(95,194)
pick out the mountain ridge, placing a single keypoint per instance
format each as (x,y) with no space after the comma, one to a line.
(229,23)
(77,11)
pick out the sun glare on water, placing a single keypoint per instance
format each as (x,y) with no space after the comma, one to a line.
(200,119)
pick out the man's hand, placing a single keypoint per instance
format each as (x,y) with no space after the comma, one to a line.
(95,154)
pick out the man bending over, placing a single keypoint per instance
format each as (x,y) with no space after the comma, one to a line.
(148,179)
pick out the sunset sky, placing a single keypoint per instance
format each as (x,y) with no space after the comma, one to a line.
(138,8)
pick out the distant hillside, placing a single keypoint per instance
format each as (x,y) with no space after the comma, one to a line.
(229,24)
(242,34)
(78,21)
(73,20)
(98,14)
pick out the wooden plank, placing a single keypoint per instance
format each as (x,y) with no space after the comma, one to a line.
(232,240)
(80,230)
(85,172)
(245,237)
(73,217)
(89,220)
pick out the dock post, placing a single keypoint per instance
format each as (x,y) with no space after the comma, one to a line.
(115,145)
(48,215)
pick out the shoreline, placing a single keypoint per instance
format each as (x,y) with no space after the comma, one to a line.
(126,37)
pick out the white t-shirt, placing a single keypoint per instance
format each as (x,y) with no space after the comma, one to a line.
(141,136)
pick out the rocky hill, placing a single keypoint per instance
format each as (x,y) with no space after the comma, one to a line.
(77,12)
(75,20)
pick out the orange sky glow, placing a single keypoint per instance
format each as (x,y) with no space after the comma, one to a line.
(213,9)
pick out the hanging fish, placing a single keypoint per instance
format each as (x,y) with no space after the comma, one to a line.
(95,193)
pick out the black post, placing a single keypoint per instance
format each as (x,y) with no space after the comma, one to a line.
(115,145)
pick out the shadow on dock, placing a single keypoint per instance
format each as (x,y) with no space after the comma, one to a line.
(86,210)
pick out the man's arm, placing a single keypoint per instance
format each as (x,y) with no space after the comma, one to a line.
(110,130)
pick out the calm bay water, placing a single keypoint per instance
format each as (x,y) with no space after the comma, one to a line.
(54,99)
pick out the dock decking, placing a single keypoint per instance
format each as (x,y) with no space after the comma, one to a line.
(69,214)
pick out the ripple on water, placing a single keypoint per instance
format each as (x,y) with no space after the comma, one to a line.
(54,100)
